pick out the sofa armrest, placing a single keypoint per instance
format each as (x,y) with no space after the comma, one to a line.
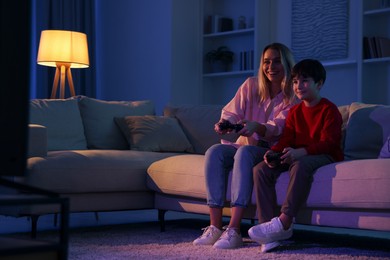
(37,141)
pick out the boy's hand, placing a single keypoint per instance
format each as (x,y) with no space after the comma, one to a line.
(271,162)
(291,154)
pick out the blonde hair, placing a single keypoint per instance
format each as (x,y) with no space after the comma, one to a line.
(288,62)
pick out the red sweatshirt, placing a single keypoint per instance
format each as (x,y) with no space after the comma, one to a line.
(317,129)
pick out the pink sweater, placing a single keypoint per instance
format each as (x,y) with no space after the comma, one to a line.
(245,105)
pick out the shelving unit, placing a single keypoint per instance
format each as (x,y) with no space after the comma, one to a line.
(376,71)
(350,79)
(219,87)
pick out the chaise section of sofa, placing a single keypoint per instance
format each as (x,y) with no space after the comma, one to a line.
(351,194)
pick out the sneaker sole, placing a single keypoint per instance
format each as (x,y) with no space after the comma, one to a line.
(217,246)
(265,240)
(264,248)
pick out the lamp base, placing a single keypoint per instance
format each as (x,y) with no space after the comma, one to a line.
(62,72)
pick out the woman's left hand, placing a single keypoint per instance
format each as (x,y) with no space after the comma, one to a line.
(248,129)
(251,127)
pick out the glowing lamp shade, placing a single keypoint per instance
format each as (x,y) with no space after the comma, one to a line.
(63,50)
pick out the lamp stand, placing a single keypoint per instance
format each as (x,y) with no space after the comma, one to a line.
(62,72)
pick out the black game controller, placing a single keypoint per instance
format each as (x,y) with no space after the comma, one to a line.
(226,125)
(274,157)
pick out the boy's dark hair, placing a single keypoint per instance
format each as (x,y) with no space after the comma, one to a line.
(309,68)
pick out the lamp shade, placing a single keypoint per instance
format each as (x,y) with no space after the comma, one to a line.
(57,46)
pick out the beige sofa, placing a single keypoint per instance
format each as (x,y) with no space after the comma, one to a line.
(116,155)
(353,194)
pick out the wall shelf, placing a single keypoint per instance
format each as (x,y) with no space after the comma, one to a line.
(229,74)
(230,33)
(379,11)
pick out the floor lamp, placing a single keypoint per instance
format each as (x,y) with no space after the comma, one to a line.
(63,50)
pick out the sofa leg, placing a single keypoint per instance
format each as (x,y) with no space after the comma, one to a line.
(34,224)
(161,218)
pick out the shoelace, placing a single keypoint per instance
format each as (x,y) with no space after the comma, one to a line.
(269,227)
(207,231)
(228,233)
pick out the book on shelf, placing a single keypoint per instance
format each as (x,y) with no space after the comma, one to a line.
(376,47)
(247,60)
(217,23)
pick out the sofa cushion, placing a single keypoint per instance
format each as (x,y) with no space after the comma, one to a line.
(92,171)
(154,134)
(98,118)
(367,129)
(186,170)
(198,123)
(347,184)
(61,117)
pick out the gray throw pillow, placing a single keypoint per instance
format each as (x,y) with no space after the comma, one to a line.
(62,119)
(367,129)
(197,122)
(154,134)
(98,118)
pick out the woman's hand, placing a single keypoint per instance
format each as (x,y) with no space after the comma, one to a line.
(218,129)
(251,127)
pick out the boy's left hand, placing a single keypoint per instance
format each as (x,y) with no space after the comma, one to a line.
(291,154)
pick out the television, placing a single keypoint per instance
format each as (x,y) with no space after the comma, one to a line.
(14,91)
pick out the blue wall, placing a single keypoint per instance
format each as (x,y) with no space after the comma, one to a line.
(133,50)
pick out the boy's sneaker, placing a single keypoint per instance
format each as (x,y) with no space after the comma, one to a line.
(270,232)
(228,240)
(209,236)
(264,248)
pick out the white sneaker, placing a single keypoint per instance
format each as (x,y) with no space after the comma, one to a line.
(270,232)
(264,248)
(209,236)
(229,239)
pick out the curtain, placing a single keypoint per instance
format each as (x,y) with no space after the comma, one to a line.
(72,15)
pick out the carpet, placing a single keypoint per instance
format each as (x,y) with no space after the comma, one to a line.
(145,241)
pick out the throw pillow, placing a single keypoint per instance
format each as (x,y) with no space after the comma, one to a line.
(98,117)
(367,128)
(62,119)
(154,134)
(197,123)
(385,151)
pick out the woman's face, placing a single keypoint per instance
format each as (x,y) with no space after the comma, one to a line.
(272,66)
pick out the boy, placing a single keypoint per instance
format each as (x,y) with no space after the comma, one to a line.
(311,139)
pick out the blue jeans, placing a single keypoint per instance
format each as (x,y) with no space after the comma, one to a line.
(220,160)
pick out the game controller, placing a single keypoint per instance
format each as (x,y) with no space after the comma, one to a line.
(274,157)
(226,125)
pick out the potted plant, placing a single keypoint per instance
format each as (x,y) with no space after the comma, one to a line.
(220,59)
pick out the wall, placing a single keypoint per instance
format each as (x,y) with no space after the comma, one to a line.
(133,50)
(147,50)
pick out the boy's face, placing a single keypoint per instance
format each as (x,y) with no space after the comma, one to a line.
(306,89)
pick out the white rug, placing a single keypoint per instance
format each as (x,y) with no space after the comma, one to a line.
(145,241)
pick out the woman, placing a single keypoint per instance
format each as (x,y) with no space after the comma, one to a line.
(260,105)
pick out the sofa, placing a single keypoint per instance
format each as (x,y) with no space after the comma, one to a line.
(120,155)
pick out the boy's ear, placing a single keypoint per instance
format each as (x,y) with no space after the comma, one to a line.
(320,83)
